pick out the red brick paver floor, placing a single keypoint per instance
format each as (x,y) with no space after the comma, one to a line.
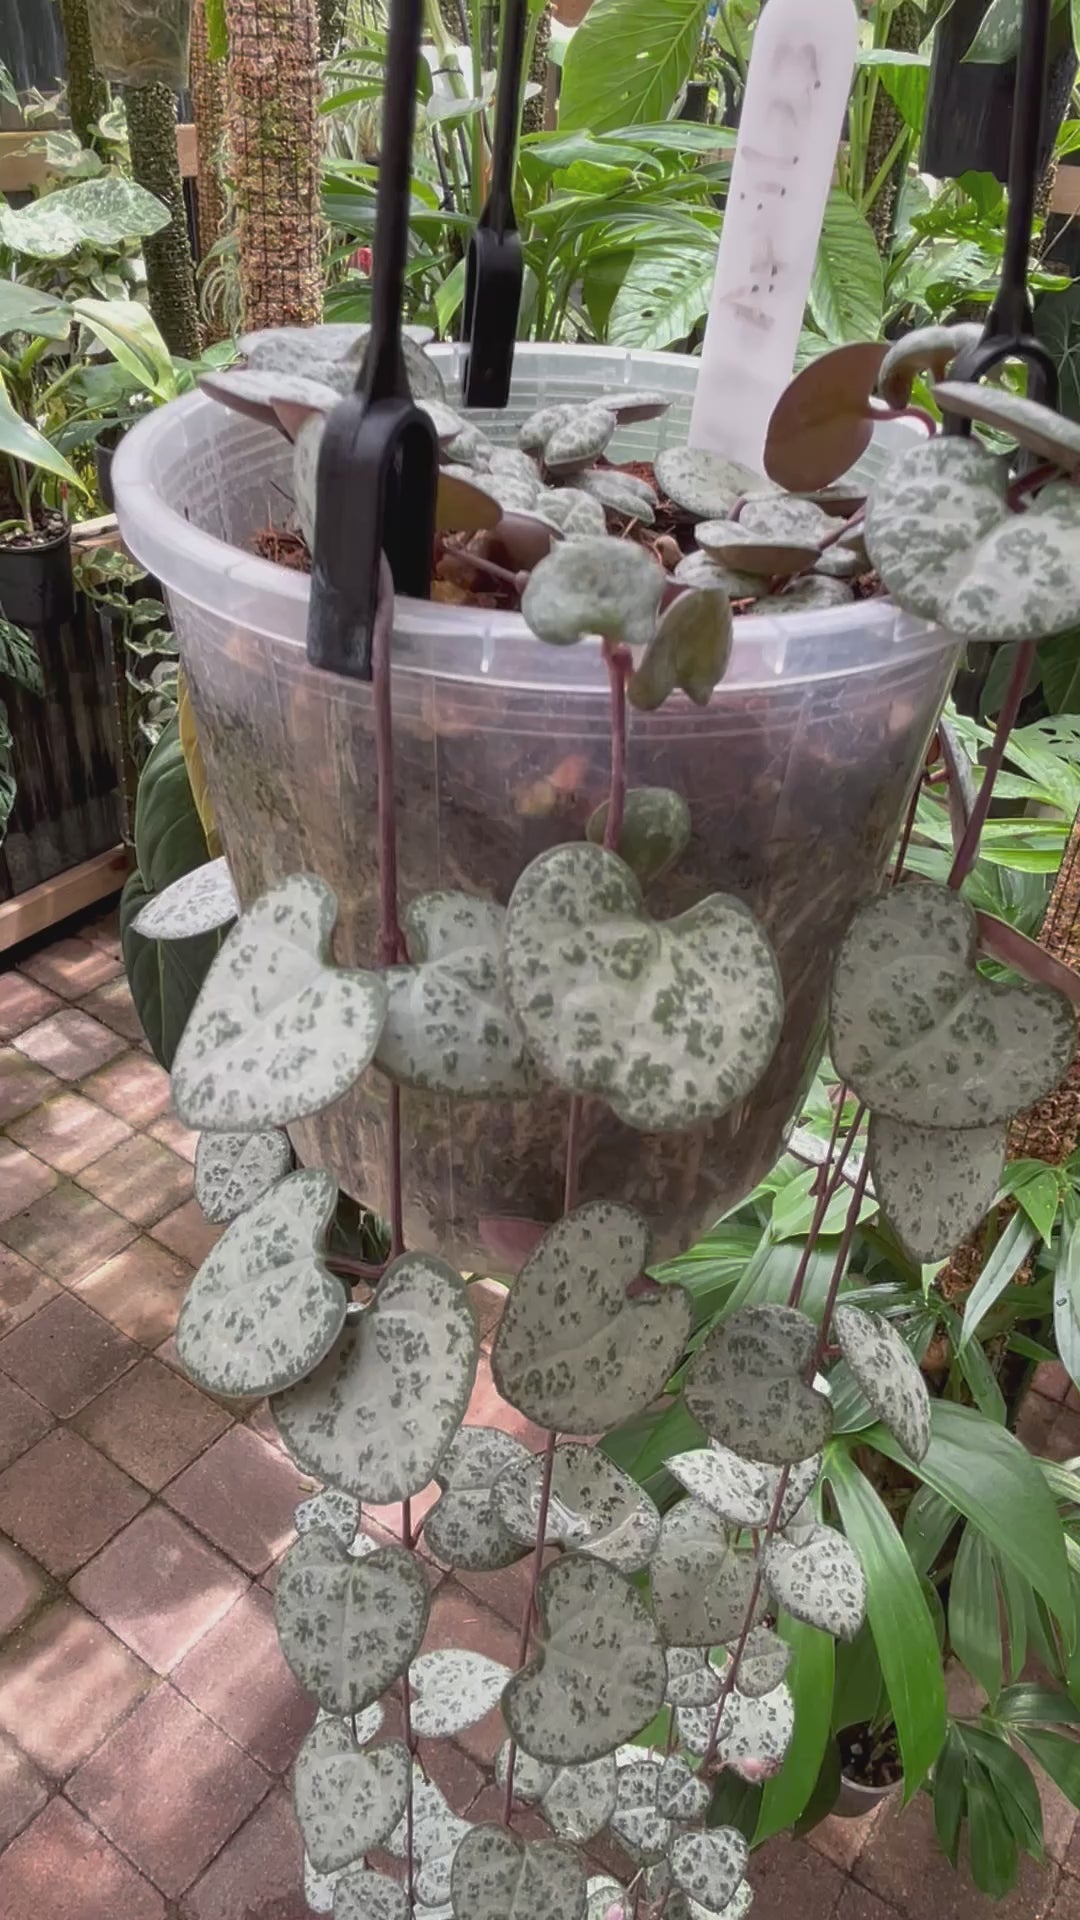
(147,1719)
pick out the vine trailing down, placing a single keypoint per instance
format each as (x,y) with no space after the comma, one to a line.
(654,1646)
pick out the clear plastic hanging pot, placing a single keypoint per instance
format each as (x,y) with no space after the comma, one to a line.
(142,43)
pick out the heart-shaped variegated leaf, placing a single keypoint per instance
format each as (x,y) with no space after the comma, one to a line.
(437,1834)
(941,534)
(531,1777)
(234,1170)
(926,350)
(753,551)
(348,1628)
(575,513)
(273,397)
(583,1343)
(577,441)
(607,1900)
(604,586)
(321,1888)
(690,649)
(921,1036)
(888,1374)
(698,569)
(463,1528)
(701,483)
(709,1866)
(745,1385)
(277,1032)
(1041,430)
(742,1492)
(692,1679)
(812,594)
(364,1895)
(670,1021)
(764,1661)
(593,1506)
(496,1876)
(199,902)
(330,1511)
(781,517)
(380,1411)
(580,1801)
(755,1733)
(597,1673)
(452,1690)
(347,1797)
(818,1579)
(655,831)
(448,1028)
(263,1308)
(465,505)
(622,493)
(637,1821)
(630,404)
(679,1793)
(307,449)
(702,1582)
(934,1184)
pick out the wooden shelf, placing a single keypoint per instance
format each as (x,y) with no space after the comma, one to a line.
(22,169)
(44,906)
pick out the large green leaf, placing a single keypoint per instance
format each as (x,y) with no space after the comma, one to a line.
(1060,1756)
(1059,659)
(1005,1260)
(1067,1293)
(810,1678)
(628,61)
(998,38)
(22,441)
(107,213)
(847,291)
(905,78)
(974,1613)
(127,328)
(664,293)
(994,1482)
(29,310)
(899,1619)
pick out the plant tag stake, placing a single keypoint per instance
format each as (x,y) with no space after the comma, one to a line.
(495,271)
(796,96)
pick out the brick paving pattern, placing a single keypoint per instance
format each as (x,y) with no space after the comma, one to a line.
(147,1720)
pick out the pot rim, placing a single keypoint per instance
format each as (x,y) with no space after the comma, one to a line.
(37,548)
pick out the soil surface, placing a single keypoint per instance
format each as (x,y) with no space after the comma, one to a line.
(868,1758)
(49,524)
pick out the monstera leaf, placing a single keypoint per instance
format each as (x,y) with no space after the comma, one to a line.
(378,1413)
(948,547)
(277,1032)
(348,1797)
(199,902)
(593,1506)
(597,1674)
(888,1374)
(934,1184)
(448,1028)
(742,1492)
(496,1876)
(349,1628)
(604,586)
(745,1385)
(234,1170)
(818,1579)
(921,1036)
(702,1583)
(709,1866)
(263,1308)
(584,1340)
(670,1021)
(463,1528)
(452,1690)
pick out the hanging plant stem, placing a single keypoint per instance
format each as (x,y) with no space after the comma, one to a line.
(968,849)
(170,270)
(831,1178)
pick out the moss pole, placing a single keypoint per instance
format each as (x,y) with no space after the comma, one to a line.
(87,93)
(275,155)
(209,110)
(170,270)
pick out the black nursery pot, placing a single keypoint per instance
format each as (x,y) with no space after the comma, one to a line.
(969,108)
(103,459)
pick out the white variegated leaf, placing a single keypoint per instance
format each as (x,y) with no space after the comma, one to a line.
(364,1725)
(320,1889)
(701,1580)
(680,1794)
(578,441)
(277,1031)
(888,1374)
(347,1797)
(380,1411)
(606,586)
(364,1895)
(1036,428)
(611,488)
(655,831)
(692,1681)
(584,1341)
(934,1184)
(926,350)
(814,593)
(755,1733)
(496,1876)
(694,1726)
(581,1800)
(783,517)
(593,1506)
(690,649)
(437,1833)
(233,1170)
(745,1385)
(330,1511)
(452,1690)
(607,1900)
(199,902)
(818,1579)
(750,550)
(448,1028)
(920,1035)
(463,1527)
(682,1907)
(349,1628)
(741,1492)
(597,1673)
(637,1820)
(531,1777)
(264,1308)
(703,484)
(765,1660)
(670,1021)
(709,1866)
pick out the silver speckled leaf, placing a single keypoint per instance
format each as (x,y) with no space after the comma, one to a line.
(532,1778)
(575,443)
(741,1492)
(752,551)
(1036,428)
(701,1581)
(690,650)
(573,511)
(755,1733)
(277,1031)
(233,1170)
(452,1690)
(655,831)
(437,1833)
(692,1680)
(597,1674)
(572,1351)
(613,490)
(670,1021)
(364,1895)
(941,534)
(347,1797)
(305,476)
(680,1794)
(782,516)
(199,902)
(888,1374)
(594,1506)
(537,428)
(697,569)
(812,594)
(818,1579)
(496,1876)
(709,1866)
(580,1801)
(681,1907)
(702,483)
(463,1528)
(745,1385)
(448,1028)
(321,1888)
(349,1628)
(637,1821)
(276,398)
(765,1660)
(926,350)
(263,1308)
(330,1511)
(921,1036)
(934,1184)
(629,404)
(377,1415)
(605,586)
(607,1899)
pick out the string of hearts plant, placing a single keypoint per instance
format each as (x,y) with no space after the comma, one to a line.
(637,1622)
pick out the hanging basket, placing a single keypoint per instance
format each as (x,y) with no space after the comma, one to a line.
(142,43)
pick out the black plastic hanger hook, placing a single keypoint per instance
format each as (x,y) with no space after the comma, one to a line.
(495,268)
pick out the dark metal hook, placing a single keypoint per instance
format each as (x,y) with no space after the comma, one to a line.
(495,268)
